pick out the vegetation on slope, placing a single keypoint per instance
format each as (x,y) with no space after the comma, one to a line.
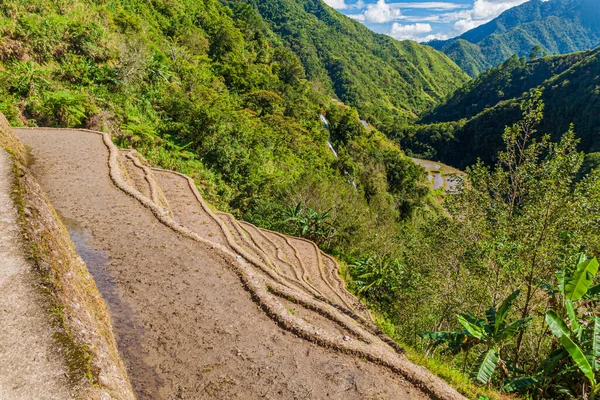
(383,78)
(557,26)
(211,91)
(468,126)
(507,81)
(487,285)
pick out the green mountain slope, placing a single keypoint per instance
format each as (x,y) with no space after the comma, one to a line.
(470,125)
(507,81)
(211,91)
(382,77)
(557,26)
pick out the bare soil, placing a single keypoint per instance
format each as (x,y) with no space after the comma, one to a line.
(193,328)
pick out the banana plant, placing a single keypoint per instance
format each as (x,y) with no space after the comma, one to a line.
(309,223)
(579,336)
(378,277)
(494,333)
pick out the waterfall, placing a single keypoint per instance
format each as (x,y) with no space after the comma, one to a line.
(335,154)
(351,180)
(326,123)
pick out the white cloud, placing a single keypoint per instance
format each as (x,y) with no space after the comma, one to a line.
(358,17)
(482,12)
(381,12)
(490,9)
(411,31)
(337,4)
(449,17)
(360,4)
(438,36)
(432,5)
(455,16)
(420,18)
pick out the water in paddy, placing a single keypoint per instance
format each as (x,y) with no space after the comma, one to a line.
(128,333)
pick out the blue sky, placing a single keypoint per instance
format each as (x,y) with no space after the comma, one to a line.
(422,20)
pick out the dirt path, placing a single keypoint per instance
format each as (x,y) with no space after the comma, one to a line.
(31,368)
(193,327)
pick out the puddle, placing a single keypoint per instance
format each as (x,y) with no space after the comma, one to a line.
(144,379)
(29,157)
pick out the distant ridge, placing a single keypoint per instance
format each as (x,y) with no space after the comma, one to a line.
(380,76)
(557,26)
(469,125)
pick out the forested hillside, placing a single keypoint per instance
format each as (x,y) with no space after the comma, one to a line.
(469,125)
(556,26)
(233,95)
(383,78)
(507,81)
(211,91)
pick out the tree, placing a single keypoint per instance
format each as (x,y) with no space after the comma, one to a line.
(287,66)
(263,102)
(535,51)
(524,216)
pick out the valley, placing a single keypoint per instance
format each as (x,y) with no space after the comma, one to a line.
(267,199)
(555,27)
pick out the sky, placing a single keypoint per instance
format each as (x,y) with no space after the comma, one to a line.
(423,20)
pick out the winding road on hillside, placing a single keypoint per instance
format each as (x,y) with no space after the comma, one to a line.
(205,306)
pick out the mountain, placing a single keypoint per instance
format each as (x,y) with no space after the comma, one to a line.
(469,125)
(557,26)
(507,81)
(380,76)
(212,91)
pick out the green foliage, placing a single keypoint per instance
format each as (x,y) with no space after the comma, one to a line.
(531,29)
(580,360)
(508,80)
(264,102)
(487,366)
(63,108)
(212,90)
(577,334)
(483,107)
(308,223)
(491,334)
(513,225)
(535,52)
(381,77)
(590,163)
(378,277)
(578,285)
(579,337)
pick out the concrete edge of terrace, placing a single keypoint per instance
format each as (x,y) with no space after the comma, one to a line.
(77,329)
